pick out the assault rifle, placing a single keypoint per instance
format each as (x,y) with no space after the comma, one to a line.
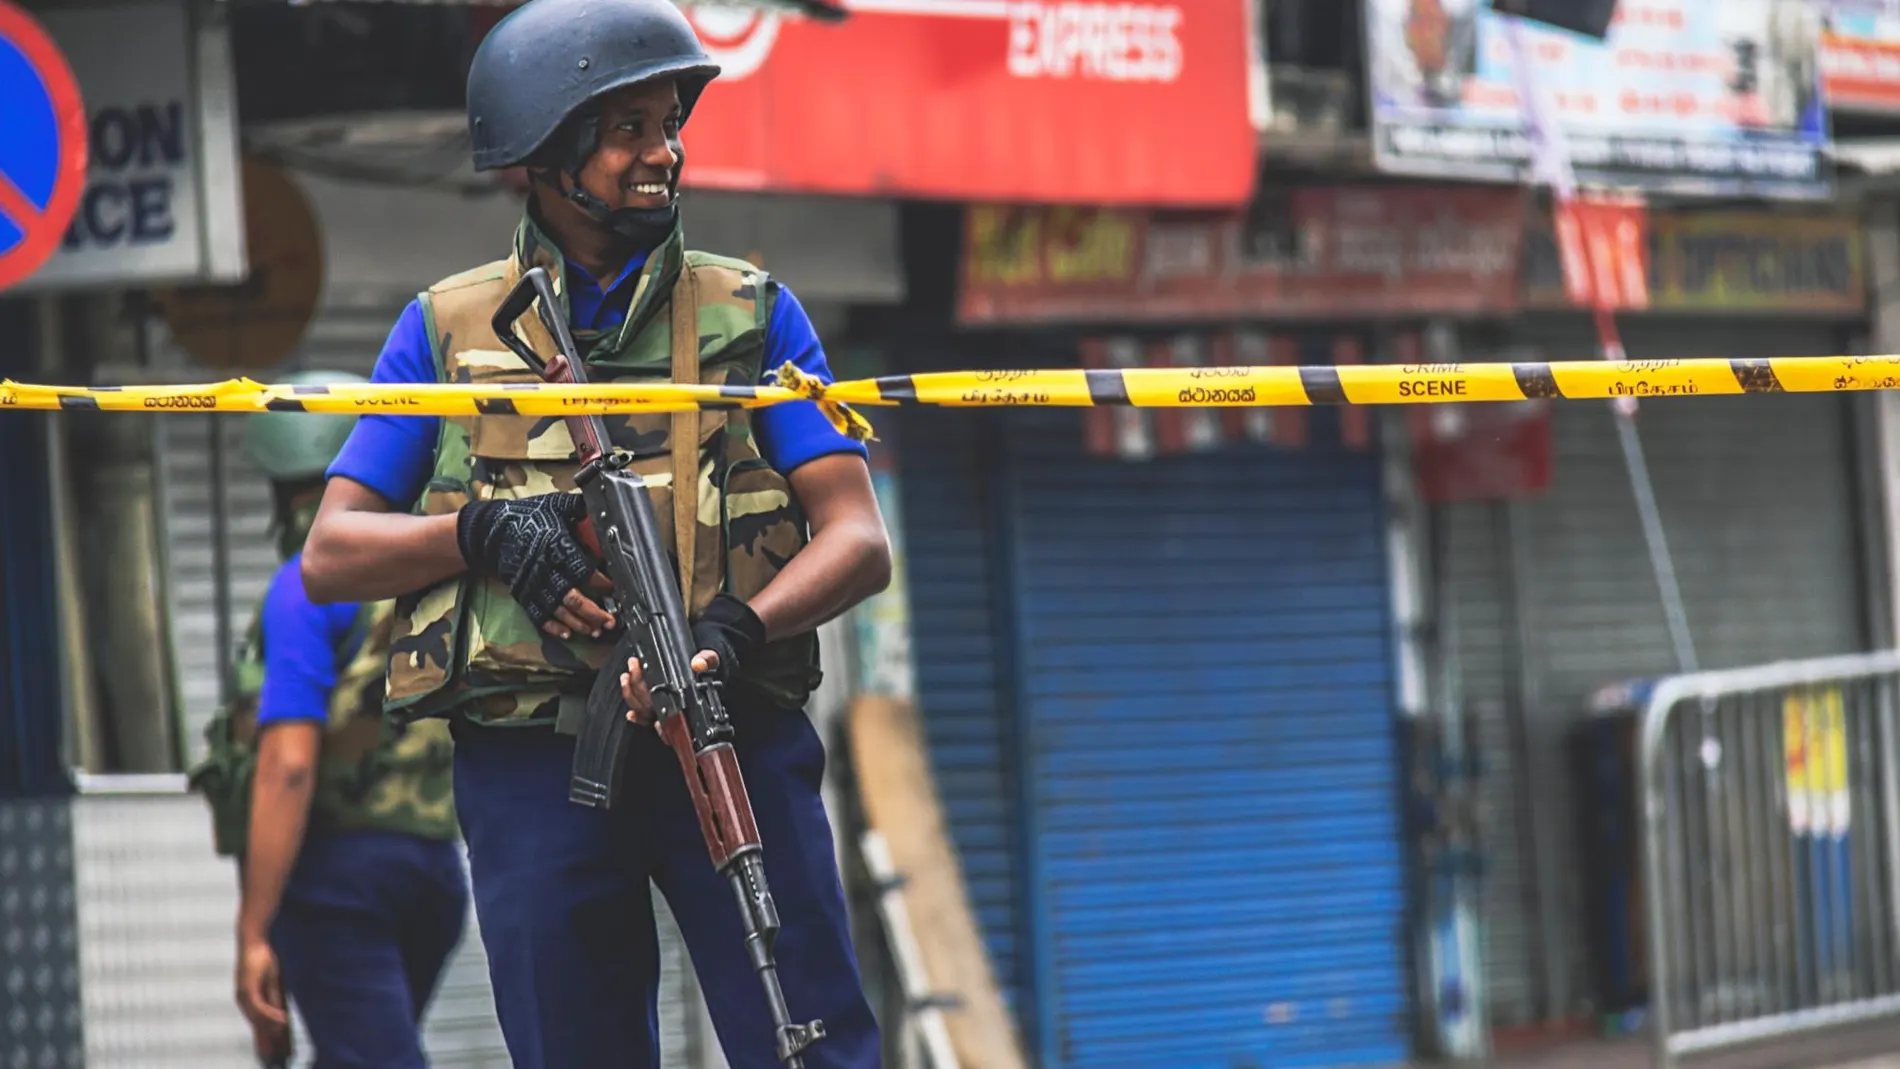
(650,612)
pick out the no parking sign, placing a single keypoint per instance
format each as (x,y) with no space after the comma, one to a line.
(42,145)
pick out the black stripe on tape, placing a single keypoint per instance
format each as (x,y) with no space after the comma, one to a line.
(66,401)
(285,404)
(1322,385)
(1536,380)
(1756,376)
(496,406)
(1107,387)
(897,388)
(742,392)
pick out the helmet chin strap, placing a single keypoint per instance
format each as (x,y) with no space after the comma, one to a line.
(646,227)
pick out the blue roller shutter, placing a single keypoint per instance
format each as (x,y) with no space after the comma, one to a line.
(1215,865)
(961,662)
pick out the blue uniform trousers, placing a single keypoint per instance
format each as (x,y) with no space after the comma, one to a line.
(368,920)
(566,912)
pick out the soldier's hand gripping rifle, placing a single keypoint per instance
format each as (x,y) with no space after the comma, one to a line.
(650,610)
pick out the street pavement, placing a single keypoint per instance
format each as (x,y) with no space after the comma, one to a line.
(1864,1048)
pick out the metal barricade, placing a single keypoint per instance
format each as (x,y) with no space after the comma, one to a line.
(1770,808)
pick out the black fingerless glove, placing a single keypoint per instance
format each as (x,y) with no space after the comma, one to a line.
(530,544)
(732,630)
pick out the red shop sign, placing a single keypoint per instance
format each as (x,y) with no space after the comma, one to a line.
(1052,101)
(1296,254)
(1861,73)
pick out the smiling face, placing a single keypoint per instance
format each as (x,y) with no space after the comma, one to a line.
(637,152)
(636,161)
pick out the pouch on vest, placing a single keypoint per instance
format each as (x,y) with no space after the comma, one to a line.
(226,776)
(522,456)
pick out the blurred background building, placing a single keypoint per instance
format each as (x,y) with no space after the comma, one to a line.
(1251,730)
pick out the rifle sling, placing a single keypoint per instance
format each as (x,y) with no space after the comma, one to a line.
(685,439)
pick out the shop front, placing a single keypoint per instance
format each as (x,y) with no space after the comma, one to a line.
(1546,591)
(1160,704)
(1539,574)
(1161,655)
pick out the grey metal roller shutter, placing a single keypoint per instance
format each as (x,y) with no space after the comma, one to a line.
(349,337)
(345,339)
(183,448)
(1757,498)
(1477,628)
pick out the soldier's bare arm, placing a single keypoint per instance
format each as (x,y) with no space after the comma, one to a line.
(280,809)
(848,559)
(360,549)
(285,782)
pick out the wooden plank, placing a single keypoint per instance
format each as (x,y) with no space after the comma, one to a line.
(892,766)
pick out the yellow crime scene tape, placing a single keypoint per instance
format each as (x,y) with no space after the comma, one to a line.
(1175,387)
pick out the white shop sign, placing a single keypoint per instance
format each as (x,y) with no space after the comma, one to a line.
(163,203)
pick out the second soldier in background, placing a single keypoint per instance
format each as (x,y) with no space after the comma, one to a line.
(343,823)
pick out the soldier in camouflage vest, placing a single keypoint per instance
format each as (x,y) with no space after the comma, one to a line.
(467,523)
(342,821)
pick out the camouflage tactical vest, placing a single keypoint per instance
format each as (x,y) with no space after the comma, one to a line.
(464,645)
(372,774)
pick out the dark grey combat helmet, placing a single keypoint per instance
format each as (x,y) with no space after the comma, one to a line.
(548,58)
(535,80)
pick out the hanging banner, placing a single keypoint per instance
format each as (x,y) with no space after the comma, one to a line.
(1009,100)
(1297,254)
(1686,96)
(1860,54)
(1727,262)
(1604,245)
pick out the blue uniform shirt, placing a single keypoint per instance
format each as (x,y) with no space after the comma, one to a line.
(394,455)
(302,648)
